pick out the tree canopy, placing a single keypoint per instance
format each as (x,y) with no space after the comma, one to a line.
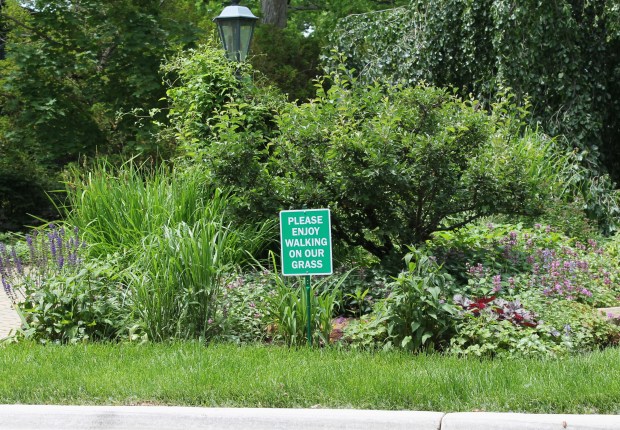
(563,56)
(92,77)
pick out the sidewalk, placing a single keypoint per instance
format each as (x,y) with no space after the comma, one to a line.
(9,320)
(18,417)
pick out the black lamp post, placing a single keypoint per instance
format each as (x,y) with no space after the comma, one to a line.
(236,26)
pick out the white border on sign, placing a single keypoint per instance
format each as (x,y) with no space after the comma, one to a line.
(331,257)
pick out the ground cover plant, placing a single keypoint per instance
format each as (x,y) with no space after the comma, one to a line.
(521,290)
(499,291)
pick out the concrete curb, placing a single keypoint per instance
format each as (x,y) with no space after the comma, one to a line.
(511,421)
(19,417)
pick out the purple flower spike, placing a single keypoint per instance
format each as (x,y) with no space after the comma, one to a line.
(8,289)
(52,245)
(17,261)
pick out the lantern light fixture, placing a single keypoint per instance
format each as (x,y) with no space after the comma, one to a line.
(236,27)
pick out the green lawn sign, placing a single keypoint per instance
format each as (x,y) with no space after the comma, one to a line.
(306,241)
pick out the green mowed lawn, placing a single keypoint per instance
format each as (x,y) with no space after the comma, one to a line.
(188,373)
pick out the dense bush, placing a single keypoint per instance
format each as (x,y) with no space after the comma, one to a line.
(176,242)
(564,55)
(61,297)
(393,164)
(209,96)
(86,303)
(288,59)
(561,56)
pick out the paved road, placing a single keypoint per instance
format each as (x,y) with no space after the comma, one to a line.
(20,417)
(9,321)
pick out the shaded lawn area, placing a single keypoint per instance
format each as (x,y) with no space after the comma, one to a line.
(223,375)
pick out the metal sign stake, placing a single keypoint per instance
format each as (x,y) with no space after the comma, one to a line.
(308,311)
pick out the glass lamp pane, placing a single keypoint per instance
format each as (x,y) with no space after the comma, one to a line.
(247,28)
(229,39)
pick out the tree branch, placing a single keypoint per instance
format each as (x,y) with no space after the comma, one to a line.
(460,224)
(34,30)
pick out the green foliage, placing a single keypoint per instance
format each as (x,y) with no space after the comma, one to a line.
(394,164)
(174,231)
(562,56)
(85,304)
(199,83)
(532,291)
(565,327)
(23,189)
(76,79)
(511,259)
(176,285)
(108,205)
(370,332)
(79,80)
(244,307)
(288,59)
(287,309)
(581,327)
(419,313)
(488,337)
(224,123)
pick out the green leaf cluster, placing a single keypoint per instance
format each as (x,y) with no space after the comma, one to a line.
(393,163)
(562,56)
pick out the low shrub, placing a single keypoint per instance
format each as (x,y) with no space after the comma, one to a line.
(510,259)
(59,296)
(74,306)
(499,291)
(420,314)
(528,291)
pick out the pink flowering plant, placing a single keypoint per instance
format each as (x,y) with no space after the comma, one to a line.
(507,260)
(528,286)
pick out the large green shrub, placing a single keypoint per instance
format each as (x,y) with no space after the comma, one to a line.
(394,164)
(561,55)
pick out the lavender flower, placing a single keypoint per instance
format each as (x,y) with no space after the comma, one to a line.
(497,283)
(8,289)
(52,243)
(16,261)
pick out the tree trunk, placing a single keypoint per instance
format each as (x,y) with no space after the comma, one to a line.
(3,31)
(274,12)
